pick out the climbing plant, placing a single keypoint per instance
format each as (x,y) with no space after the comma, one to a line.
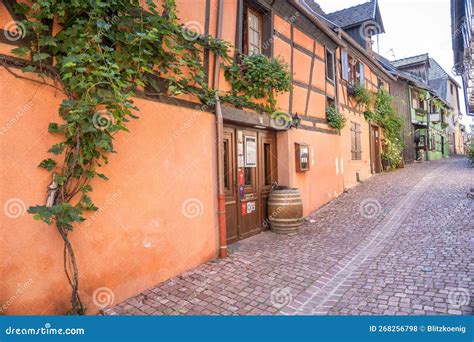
(384,114)
(104,52)
(362,95)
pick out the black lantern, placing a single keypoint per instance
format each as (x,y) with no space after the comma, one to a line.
(295,121)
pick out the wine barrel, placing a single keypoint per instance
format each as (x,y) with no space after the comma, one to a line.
(285,211)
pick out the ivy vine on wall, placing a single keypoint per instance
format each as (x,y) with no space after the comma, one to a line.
(103,53)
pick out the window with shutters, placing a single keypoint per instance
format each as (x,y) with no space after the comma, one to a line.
(356,143)
(330,65)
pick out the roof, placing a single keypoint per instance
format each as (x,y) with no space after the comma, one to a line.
(440,85)
(317,15)
(352,16)
(436,70)
(386,64)
(314,6)
(399,63)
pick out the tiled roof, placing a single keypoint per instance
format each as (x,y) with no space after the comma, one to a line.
(440,85)
(438,78)
(354,15)
(410,60)
(386,64)
(314,6)
(436,70)
(315,9)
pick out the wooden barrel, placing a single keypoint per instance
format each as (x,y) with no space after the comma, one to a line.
(285,211)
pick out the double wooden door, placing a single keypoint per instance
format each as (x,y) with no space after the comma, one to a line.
(250,168)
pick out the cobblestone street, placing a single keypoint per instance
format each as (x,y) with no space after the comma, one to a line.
(400,243)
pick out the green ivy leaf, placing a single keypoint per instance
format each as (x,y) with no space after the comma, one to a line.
(40,56)
(57,149)
(48,164)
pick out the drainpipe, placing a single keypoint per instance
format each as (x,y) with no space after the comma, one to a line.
(220,145)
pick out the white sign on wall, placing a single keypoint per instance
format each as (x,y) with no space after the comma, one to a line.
(250,151)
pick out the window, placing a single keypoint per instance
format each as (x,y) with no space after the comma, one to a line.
(226,165)
(451,88)
(267,166)
(253,37)
(330,102)
(380,84)
(256,29)
(330,65)
(356,145)
(355,71)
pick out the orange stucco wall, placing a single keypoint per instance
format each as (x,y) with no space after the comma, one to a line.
(324,181)
(157,214)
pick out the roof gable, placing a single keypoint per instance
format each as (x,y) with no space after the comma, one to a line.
(357,15)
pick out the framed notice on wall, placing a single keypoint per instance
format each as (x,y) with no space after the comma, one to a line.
(302,157)
(250,151)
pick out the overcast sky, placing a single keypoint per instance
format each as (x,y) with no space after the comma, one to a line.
(412,27)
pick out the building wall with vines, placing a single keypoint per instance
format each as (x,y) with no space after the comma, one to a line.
(156,216)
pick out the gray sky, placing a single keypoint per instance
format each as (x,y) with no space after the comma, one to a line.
(412,27)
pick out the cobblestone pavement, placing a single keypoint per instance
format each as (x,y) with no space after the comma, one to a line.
(401,243)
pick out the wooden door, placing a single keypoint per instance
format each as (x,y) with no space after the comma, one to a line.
(375,149)
(230,185)
(267,172)
(250,168)
(249,223)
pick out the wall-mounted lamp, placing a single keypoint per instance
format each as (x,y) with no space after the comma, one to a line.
(295,121)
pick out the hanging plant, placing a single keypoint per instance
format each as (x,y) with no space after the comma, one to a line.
(362,95)
(422,95)
(438,104)
(334,118)
(257,77)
